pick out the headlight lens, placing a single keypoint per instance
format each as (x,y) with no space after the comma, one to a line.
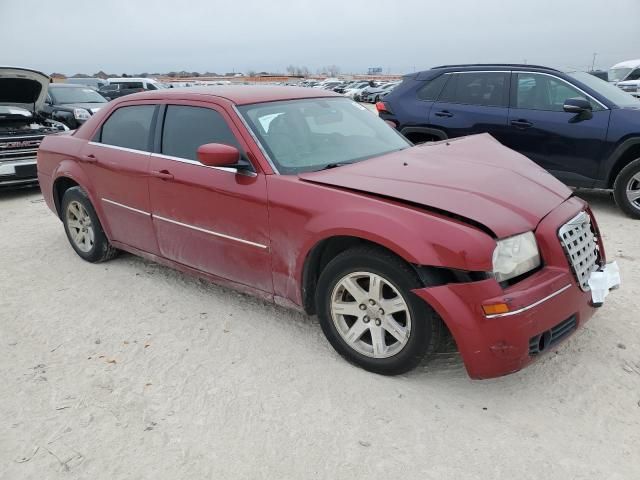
(515,255)
(81,114)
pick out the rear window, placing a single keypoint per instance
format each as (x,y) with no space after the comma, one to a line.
(129,127)
(431,90)
(487,89)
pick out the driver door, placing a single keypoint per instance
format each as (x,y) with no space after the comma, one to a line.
(569,146)
(212,219)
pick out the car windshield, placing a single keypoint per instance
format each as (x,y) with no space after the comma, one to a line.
(316,133)
(607,90)
(76,95)
(618,74)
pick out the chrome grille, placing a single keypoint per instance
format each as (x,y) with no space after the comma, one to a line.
(580,246)
(19,147)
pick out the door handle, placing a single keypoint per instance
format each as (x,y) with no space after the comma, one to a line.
(444,113)
(162,174)
(522,124)
(90,158)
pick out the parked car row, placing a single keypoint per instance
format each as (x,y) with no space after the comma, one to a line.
(359,90)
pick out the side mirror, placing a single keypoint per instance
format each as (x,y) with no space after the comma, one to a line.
(576,105)
(218,155)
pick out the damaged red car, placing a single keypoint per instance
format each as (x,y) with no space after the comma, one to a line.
(307,199)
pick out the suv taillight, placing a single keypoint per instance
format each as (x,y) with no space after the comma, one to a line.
(382,107)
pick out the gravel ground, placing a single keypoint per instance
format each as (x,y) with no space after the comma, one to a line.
(131,370)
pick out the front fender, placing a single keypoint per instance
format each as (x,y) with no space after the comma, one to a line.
(417,236)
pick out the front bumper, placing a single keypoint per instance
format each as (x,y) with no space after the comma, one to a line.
(18,172)
(544,309)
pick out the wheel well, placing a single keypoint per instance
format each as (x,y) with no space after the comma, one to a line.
(60,186)
(420,137)
(625,159)
(324,251)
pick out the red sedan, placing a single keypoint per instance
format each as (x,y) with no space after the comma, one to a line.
(305,198)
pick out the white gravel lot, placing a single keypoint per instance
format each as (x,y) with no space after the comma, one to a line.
(130,370)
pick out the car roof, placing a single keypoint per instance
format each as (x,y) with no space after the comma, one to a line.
(132,79)
(494,66)
(427,74)
(67,85)
(628,64)
(237,94)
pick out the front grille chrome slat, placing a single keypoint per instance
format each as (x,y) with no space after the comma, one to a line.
(579,243)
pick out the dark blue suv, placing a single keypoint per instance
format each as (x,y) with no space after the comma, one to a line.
(583,130)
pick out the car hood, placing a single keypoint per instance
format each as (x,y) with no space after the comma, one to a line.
(92,107)
(473,177)
(629,82)
(23,87)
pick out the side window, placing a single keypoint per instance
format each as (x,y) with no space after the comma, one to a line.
(543,92)
(431,90)
(129,127)
(131,85)
(488,89)
(186,128)
(151,86)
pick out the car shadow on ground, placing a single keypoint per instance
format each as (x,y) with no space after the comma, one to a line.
(602,199)
(9,193)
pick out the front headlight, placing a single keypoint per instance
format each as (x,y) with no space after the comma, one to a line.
(514,256)
(81,114)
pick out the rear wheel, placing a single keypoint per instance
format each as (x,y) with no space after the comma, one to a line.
(369,315)
(626,189)
(83,228)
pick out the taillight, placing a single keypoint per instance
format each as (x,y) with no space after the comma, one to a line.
(382,107)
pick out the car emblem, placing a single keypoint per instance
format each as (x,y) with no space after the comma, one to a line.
(21,144)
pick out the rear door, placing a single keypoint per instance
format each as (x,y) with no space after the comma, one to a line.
(117,162)
(211,219)
(472,102)
(570,146)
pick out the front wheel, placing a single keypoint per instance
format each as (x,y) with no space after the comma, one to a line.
(626,189)
(369,315)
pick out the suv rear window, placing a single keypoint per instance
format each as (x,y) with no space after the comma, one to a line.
(432,89)
(129,127)
(488,89)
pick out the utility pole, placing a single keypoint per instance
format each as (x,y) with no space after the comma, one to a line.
(593,62)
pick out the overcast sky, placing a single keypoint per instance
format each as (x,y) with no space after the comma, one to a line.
(131,36)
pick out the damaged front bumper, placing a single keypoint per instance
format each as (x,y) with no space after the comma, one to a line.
(543,309)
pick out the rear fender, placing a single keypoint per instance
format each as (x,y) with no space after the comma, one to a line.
(71,169)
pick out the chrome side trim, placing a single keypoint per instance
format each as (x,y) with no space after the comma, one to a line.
(255,139)
(142,212)
(115,147)
(216,234)
(198,164)
(529,307)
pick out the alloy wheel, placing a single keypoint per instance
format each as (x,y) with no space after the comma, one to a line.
(80,226)
(633,190)
(370,314)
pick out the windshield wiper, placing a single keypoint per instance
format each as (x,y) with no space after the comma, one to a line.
(333,165)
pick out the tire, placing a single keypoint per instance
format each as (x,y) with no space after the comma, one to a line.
(419,326)
(83,228)
(377,99)
(627,181)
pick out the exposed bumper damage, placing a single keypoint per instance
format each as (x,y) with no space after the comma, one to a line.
(492,347)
